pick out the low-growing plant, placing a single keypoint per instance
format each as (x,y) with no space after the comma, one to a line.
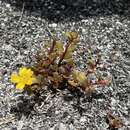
(114,122)
(56,67)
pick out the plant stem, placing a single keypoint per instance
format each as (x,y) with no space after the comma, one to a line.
(52,47)
(63,55)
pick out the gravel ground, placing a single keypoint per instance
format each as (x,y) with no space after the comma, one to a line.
(102,24)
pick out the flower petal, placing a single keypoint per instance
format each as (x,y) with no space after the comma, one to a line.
(29,72)
(22,71)
(20,86)
(31,81)
(14,78)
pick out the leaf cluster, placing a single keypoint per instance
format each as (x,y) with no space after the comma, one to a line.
(56,67)
(114,122)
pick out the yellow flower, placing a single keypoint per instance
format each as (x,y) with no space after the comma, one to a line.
(24,77)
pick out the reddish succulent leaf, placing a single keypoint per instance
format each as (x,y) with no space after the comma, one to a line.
(114,122)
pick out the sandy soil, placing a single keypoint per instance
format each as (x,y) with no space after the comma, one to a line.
(102,24)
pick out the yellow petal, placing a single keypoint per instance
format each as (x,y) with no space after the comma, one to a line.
(22,71)
(29,72)
(20,86)
(15,78)
(30,81)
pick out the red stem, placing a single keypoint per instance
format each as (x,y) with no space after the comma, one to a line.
(52,47)
(63,55)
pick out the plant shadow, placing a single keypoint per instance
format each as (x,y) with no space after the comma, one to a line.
(72,10)
(25,104)
(79,95)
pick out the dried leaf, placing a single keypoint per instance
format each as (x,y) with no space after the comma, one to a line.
(57,78)
(90,89)
(72,83)
(114,122)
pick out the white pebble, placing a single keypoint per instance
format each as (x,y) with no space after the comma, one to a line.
(83,30)
(2,25)
(8,5)
(62,126)
(82,119)
(53,25)
(113,102)
(84,20)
